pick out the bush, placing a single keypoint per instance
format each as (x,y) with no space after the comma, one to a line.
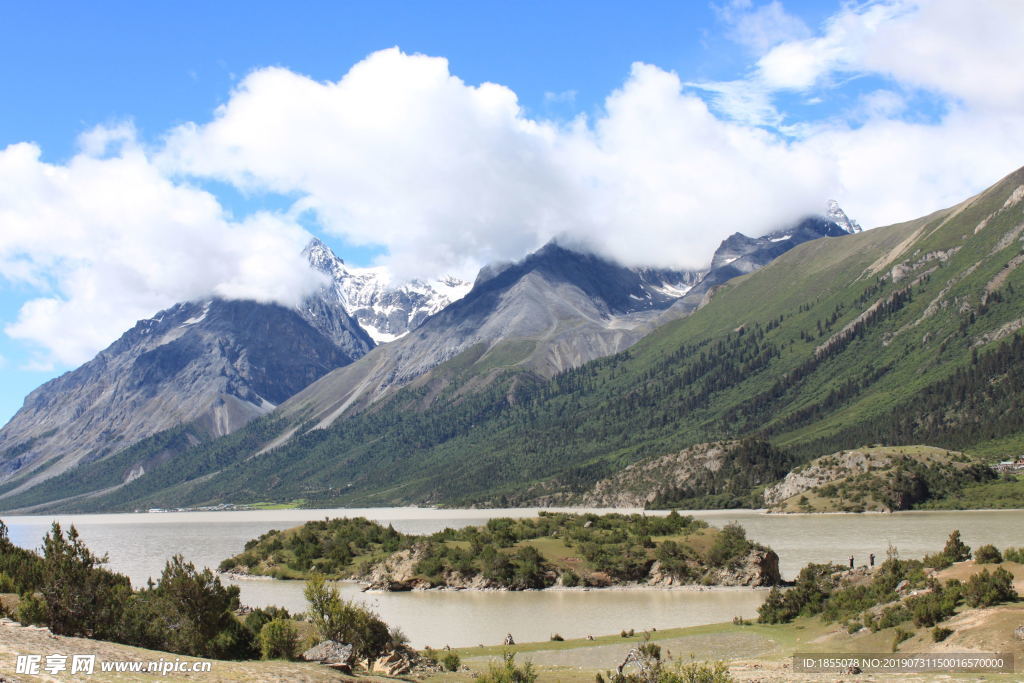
(557,638)
(31,610)
(190,612)
(570,579)
(956,550)
(939,634)
(1014,555)
(730,547)
(81,598)
(334,618)
(937,561)
(931,608)
(775,609)
(892,616)
(397,637)
(508,672)
(450,661)
(899,637)
(279,640)
(987,554)
(814,585)
(698,672)
(985,589)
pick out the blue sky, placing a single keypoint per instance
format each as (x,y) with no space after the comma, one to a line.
(156,151)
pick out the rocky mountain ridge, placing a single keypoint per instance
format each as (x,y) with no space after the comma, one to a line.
(554,310)
(217,364)
(387,311)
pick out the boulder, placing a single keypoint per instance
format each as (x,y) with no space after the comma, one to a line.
(332,653)
(392,664)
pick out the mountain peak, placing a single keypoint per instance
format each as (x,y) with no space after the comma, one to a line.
(322,257)
(836,214)
(385,310)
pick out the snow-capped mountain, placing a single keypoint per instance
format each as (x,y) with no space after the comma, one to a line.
(835,214)
(386,310)
(739,254)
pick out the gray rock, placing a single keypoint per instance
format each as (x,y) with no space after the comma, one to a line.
(330,652)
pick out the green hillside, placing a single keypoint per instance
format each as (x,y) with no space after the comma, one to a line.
(900,335)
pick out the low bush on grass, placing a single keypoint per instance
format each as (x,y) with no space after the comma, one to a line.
(987,589)
(987,554)
(279,639)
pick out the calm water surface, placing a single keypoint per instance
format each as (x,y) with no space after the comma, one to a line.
(139,545)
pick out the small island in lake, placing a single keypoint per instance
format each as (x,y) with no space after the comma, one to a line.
(553,549)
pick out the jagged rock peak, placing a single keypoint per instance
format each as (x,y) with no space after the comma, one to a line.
(836,214)
(384,309)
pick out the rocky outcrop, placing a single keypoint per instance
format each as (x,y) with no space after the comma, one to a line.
(640,483)
(818,473)
(877,478)
(703,469)
(759,568)
(398,662)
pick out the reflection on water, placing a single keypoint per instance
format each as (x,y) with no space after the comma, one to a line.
(139,544)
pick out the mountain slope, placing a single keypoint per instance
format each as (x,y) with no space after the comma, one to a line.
(521,324)
(215,365)
(554,310)
(739,254)
(903,334)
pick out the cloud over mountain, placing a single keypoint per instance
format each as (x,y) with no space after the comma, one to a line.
(446,175)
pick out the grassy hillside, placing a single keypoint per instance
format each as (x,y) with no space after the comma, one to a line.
(900,335)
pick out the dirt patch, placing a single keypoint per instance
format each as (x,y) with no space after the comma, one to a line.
(965,570)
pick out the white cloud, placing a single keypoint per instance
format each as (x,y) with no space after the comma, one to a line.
(398,152)
(666,180)
(109,241)
(762,27)
(742,101)
(448,176)
(849,36)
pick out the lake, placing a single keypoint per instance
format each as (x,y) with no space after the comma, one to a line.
(138,545)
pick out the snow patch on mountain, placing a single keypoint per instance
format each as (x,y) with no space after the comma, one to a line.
(387,310)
